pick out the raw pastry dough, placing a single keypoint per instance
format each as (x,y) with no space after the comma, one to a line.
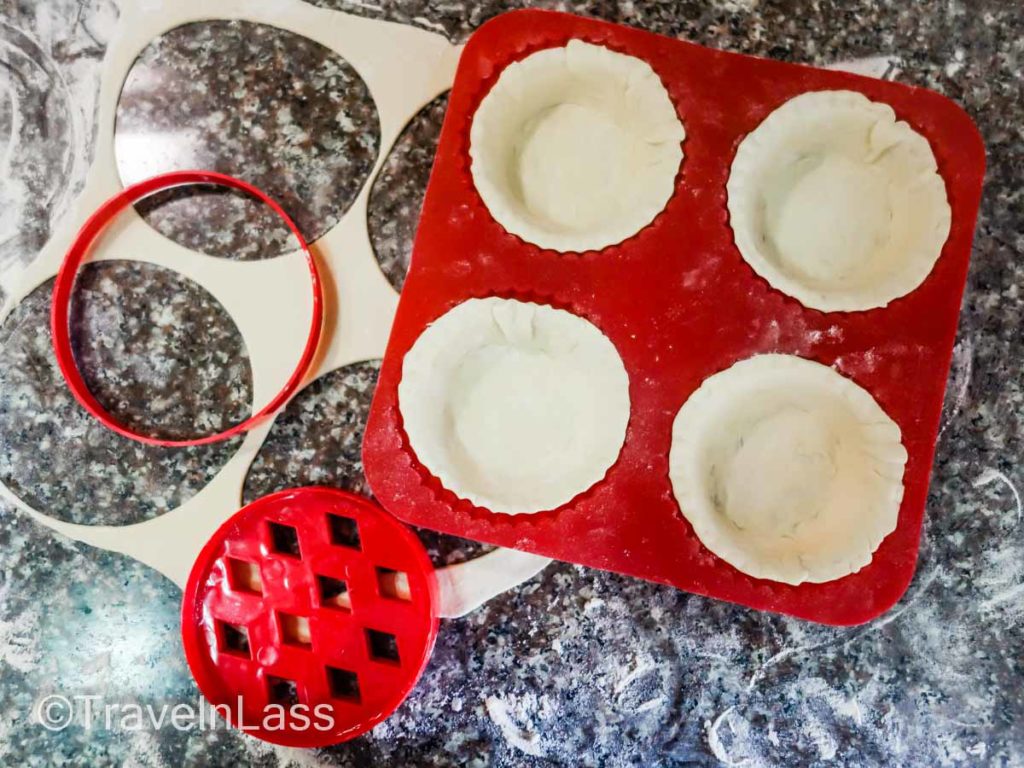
(835,203)
(787,470)
(576,148)
(517,407)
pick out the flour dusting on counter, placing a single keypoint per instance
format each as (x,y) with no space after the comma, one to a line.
(513,720)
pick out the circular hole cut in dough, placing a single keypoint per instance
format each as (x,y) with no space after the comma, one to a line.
(836,203)
(515,406)
(787,470)
(576,148)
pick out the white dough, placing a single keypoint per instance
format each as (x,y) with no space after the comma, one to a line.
(576,148)
(787,470)
(835,203)
(517,407)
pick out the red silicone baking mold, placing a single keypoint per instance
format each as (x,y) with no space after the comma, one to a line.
(680,304)
(327,558)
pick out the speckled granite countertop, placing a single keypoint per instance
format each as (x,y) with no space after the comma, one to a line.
(577,667)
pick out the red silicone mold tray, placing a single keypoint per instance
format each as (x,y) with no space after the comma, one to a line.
(294,601)
(680,304)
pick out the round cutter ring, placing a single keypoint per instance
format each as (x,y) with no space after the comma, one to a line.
(79,250)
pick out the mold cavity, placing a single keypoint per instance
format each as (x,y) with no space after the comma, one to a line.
(343,684)
(295,630)
(344,531)
(837,203)
(282,691)
(234,639)
(517,407)
(393,584)
(284,539)
(254,101)
(383,646)
(576,148)
(244,576)
(786,469)
(334,593)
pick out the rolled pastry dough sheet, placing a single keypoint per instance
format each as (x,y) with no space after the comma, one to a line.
(836,203)
(576,148)
(787,470)
(515,406)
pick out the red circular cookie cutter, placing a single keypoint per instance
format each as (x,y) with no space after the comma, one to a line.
(311,597)
(79,249)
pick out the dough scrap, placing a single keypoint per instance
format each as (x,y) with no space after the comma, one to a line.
(835,203)
(576,148)
(515,406)
(787,470)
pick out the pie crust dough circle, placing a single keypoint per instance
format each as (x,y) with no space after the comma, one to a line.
(787,470)
(836,203)
(515,406)
(576,148)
